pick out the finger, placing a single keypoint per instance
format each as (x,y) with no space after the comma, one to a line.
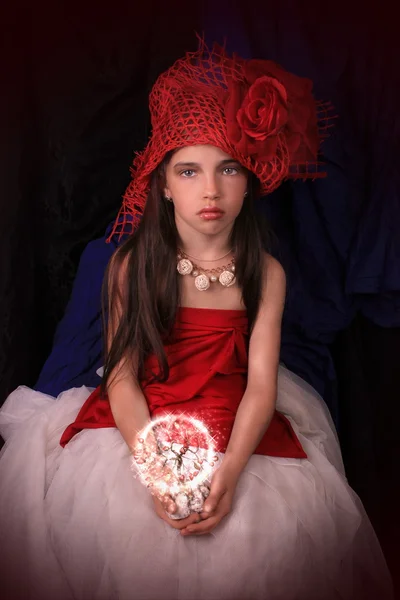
(206,525)
(201,528)
(181,523)
(212,502)
(210,510)
(192,519)
(206,515)
(167,502)
(218,502)
(170,506)
(202,532)
(175,523)
(161,507)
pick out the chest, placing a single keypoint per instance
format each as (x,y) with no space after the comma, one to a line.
(217,296)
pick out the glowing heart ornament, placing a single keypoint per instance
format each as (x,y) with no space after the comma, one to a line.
(175,457)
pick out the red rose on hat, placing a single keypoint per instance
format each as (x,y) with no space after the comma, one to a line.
(255,118)
(285,93)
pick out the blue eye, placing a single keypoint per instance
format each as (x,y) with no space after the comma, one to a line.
(231,170)
(187,173)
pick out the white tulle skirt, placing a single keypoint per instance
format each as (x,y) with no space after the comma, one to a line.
(76,524)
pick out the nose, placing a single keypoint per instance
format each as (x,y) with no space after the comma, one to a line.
(211,188)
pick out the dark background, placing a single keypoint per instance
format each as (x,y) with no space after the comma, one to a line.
(75,81)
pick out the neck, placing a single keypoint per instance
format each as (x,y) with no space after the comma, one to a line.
(204,247)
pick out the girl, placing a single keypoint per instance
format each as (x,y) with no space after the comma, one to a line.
(194,307)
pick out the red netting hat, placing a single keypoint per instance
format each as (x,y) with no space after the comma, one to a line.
(254,110)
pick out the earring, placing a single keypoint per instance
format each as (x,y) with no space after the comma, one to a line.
(168,198)
(246,194)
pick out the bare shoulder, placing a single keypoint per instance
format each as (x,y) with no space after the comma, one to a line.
(273,292)
(266,335)
(274,276)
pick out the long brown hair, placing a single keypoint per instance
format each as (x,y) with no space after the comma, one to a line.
(144,302)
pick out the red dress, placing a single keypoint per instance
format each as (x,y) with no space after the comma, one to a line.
(208,356)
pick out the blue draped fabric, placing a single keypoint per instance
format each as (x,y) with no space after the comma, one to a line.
(77,348)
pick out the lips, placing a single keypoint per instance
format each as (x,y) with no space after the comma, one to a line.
(211,210)
(211,214)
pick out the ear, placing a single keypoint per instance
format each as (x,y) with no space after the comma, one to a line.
(166,192)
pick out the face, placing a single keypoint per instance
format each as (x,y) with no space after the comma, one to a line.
(207,188)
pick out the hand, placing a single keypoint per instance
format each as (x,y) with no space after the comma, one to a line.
(161,507)
(157,475)
(218,503)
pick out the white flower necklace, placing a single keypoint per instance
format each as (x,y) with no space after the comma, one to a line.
(204,277)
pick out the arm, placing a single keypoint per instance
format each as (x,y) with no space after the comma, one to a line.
(257,406)
(258,403)
(127,401)
(128,405)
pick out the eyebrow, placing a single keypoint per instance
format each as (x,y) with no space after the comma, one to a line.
(194,164)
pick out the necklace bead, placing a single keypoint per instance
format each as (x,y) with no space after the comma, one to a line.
(227,278)
(184,266)
(204,277)
(202,282)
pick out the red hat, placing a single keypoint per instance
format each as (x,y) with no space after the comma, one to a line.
(254,110)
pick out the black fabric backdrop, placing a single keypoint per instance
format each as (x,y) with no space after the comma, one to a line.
(74,96)
(76,109)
